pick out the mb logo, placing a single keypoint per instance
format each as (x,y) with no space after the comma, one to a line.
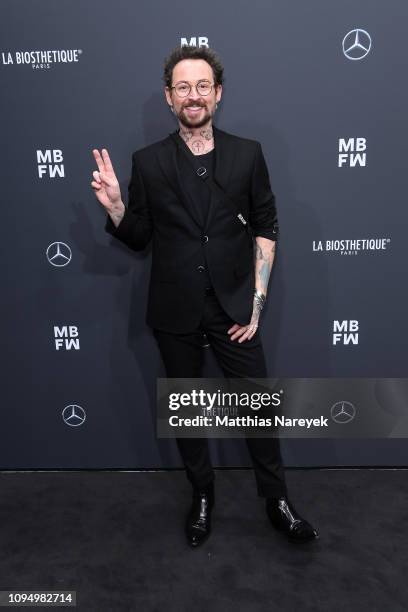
(202,41)
(352,152)
(66,337)
(345,332)
(50,163)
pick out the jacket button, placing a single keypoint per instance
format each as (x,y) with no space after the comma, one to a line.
(200,268)
(205,238)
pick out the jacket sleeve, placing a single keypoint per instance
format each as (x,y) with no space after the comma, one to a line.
(263,215)
(136,227)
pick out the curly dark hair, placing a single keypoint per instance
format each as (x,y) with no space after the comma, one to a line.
(193,52)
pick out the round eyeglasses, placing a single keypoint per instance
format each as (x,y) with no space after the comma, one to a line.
(183,88)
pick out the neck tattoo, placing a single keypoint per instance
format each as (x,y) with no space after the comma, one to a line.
(199,142)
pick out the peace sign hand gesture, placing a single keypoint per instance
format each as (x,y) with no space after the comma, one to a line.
(106,185)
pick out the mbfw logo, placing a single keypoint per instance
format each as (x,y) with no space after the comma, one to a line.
(66,337)
(345,332)
(202,41)
(356,44)
(350,246)
(50,163)
(352,152)
(58,254)
(40,60)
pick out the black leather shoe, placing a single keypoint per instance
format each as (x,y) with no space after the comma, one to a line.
(284,517)
(198,524)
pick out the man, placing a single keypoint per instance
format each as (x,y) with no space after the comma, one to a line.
(206,285)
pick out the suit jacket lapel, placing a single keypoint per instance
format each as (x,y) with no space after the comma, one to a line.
(167,156)
(224,162)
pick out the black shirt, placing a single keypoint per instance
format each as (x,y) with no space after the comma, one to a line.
(198,193)
(196,190)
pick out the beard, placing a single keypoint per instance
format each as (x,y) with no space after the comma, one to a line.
(193,123)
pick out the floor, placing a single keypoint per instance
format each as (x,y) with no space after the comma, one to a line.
(117,539)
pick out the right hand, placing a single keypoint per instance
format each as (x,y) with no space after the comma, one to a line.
(105,184)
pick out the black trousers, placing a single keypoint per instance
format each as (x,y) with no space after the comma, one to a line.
(183,357)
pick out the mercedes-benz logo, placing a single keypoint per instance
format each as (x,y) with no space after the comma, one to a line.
(73,415)
(342,412)
(59,254)
(356,44)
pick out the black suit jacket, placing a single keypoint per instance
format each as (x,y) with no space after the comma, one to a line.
(159,210)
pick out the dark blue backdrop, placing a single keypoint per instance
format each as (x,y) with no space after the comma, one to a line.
(300,80)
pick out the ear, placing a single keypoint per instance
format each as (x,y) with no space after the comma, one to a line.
(218,93)
(167,92)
